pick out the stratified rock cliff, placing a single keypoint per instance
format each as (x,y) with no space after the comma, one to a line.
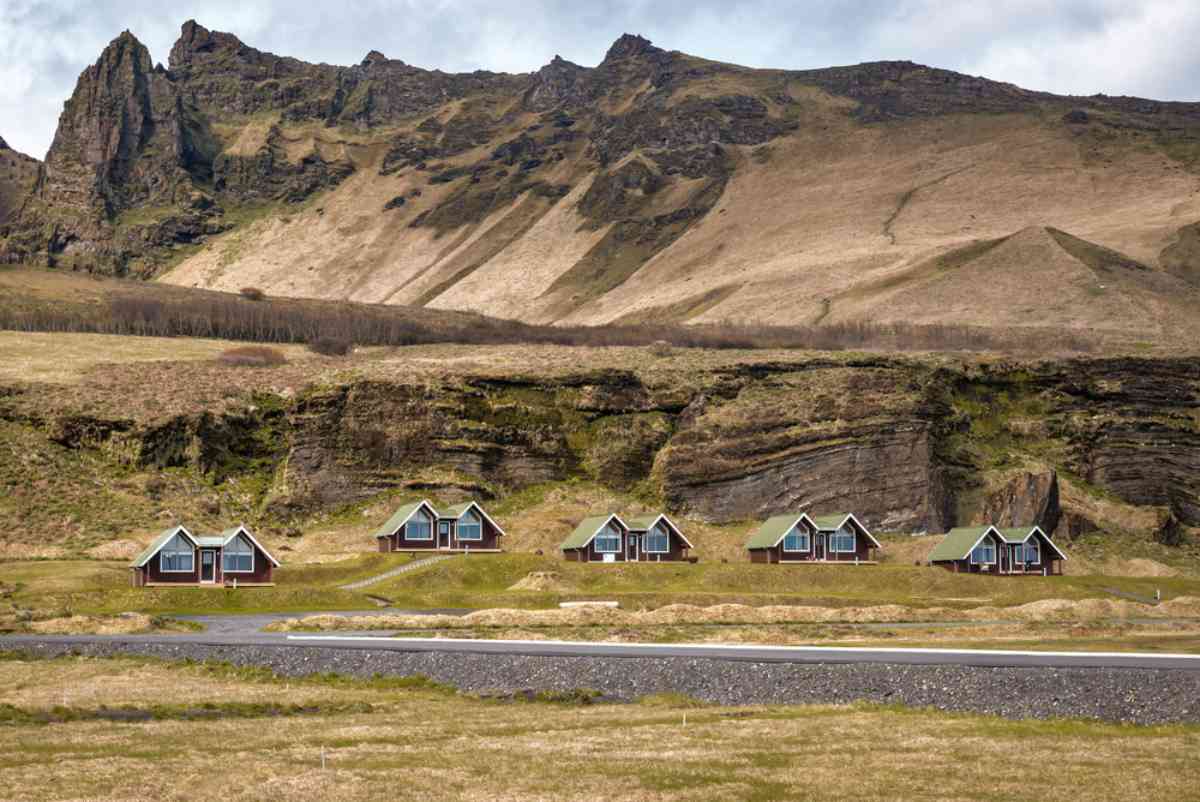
(907,446)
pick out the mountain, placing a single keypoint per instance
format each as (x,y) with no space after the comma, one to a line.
(18,173)
(653,186)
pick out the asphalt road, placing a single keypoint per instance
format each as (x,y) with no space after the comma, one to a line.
(246,630)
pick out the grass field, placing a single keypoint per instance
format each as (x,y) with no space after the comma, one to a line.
(485,581)
(396,740)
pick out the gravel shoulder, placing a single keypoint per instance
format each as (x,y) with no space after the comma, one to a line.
(1142,696)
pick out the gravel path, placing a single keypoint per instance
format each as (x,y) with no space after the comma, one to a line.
(404,569)
(1143,696)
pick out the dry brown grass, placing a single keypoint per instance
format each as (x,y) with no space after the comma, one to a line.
(456,748)
(676,614)
(64,358)
(252,356)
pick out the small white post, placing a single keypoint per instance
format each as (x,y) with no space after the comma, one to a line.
(322,758)
(1157,595)
(685,718)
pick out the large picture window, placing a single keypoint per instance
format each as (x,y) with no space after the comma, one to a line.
(658,539)
(797,539)
(1033,551)
(842,541)
(608,540)
(984,553)
(419,527)
(238,556)
(470,527)
(178,556)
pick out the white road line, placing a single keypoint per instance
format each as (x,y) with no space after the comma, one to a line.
(748,647)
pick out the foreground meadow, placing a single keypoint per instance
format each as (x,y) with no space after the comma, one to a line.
(76,728)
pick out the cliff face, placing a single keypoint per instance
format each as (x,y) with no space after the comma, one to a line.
(18,173)
(125,142)
(906,446)
(653,186)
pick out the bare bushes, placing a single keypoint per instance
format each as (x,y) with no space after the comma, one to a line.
(252,356)
(329,327)
(252,293)
(331,346)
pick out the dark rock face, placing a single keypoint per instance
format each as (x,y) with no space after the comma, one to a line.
(125,139)
(828,439)
(1030,499)
(270,175)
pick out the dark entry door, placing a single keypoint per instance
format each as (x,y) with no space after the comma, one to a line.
(819,547)
(208,566)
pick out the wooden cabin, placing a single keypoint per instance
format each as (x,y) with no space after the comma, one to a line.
(1019,551)
(800,538)
(600,539)
(177,558)
(654,539)
(460,528)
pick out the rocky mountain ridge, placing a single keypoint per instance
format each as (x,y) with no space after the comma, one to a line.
(655,185)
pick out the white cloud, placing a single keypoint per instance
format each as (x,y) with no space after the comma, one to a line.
(1067,46)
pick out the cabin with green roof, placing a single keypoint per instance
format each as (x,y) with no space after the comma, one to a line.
(598,538)
(655,538)
(178,558)
(800,538)
(1016,551)
(419,526)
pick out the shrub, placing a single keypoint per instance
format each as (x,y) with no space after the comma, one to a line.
(331,346)
(252,293)
(661,348)
(252,356)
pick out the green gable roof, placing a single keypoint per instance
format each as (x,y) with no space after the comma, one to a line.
(958,543)
(584,531)
(400,516)
(159,541)
(455,510)
(642,523)
(772,531)
(1015,535)
(828,522)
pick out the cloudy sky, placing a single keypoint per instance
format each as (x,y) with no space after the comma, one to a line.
(1136,47)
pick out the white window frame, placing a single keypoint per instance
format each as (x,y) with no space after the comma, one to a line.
(191,554)
(984,544)
(1037,550)
(837,535)
(658,530)
(225,569)
(427,519)
(478,522)
(609,532)
(799,532)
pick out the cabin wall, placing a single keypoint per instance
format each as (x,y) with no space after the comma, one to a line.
(153,573)
(263,571)
(677,553)
(491,536)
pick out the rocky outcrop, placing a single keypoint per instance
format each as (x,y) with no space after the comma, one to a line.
(822,440)
(125,140)
(18,174)
(269,174)
(1027,499)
